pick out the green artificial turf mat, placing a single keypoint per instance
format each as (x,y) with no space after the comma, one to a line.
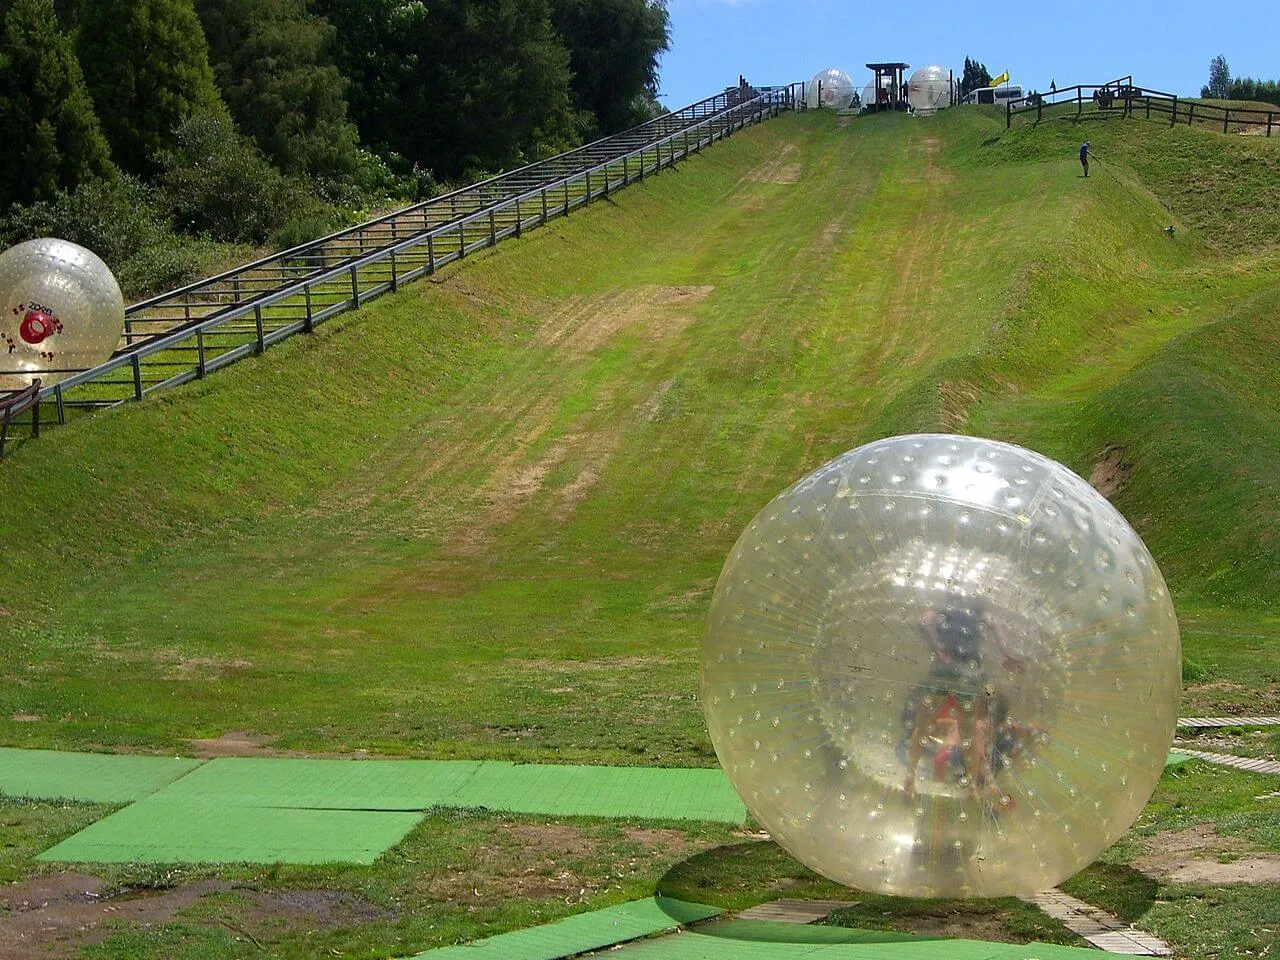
(774,931)
(87,777)
(1176,760)
(692,945)
(177,831)
(581,933)
(645,792)
(404,785)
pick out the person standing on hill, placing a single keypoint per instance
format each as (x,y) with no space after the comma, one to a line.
(1084,157)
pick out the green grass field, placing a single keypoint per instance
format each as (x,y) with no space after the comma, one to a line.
(483,518)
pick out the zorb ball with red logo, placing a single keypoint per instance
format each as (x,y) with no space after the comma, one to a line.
(61,311)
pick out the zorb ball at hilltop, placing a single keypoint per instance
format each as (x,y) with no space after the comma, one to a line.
(942,666)
(832,88)
(869,96)
(60,311)
(928,89)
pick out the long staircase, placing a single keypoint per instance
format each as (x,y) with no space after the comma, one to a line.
(188,333)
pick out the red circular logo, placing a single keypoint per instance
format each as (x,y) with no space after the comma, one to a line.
(37,327)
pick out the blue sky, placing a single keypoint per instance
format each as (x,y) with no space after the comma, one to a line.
(1164,45)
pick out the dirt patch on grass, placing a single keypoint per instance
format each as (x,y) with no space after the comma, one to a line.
(234,743)
(969,926)
(1259,869)
(782,166)
(1245,743)
(686,600)
(1112,471)
(651,409)
(241,743)
(326,909)
(603,665)
(174,665)
(943,920)
(1201,838)
(955,397)
(926,168)
(1200,854)
(527,860)
(1224,698)
(656,311)
(58,916)
(510,489)
(595,452)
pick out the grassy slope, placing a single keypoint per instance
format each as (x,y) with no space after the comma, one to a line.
(445,512)
(484,517)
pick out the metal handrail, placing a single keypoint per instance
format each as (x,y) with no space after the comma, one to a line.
(533,206)
(683,117)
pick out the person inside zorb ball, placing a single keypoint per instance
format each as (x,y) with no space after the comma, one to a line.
(942,666)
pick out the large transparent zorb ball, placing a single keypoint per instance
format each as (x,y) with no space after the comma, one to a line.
(831,88)
(61,311)
(928,89)
(942,666)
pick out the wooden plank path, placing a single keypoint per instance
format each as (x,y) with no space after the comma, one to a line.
(1227,760)
(1099,927)
(1205,722)
(795,911)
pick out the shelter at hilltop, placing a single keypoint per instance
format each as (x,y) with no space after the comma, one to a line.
(890,88)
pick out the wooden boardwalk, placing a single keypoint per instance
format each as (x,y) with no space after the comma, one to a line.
(1099,927)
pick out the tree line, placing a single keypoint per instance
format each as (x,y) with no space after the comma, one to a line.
(1223,86)
(139,124)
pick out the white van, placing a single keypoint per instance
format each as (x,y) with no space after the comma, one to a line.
(996,95)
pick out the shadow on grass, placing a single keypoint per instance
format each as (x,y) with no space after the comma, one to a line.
(739,875)
(1119,888)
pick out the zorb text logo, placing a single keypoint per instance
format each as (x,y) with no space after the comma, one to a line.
(38,324)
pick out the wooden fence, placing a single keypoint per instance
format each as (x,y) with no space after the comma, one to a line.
(1125,99)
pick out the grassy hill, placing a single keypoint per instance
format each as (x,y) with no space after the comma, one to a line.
(523,478)
(483,517)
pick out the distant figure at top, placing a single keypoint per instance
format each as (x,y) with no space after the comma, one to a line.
(1084,157)
(1053,86)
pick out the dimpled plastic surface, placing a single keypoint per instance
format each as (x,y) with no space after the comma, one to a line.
(928,89)
(942,666)
(832,88)
(61,311)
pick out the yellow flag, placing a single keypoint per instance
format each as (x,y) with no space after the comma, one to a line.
(1003,78)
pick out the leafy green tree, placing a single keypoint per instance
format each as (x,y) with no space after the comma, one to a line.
(147,66)
(456,85)
(975,77)
(214,181)
(1264,91)
(271,61)
(614,47)
(1219,87)
(52,140)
